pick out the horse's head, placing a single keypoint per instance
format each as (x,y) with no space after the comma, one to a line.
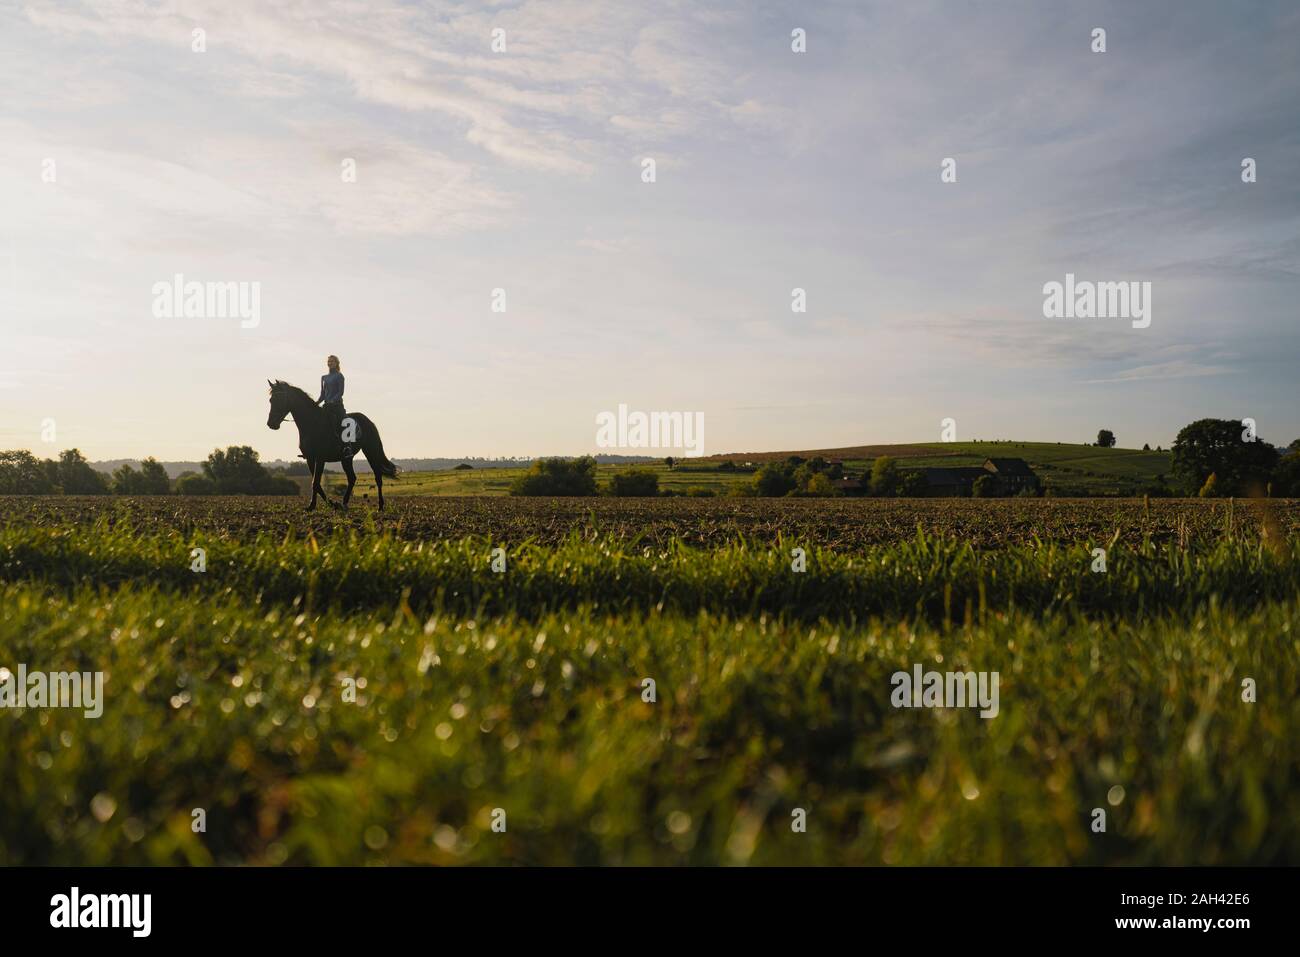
(279,404)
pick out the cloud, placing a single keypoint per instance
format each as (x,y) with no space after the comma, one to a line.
(613,246)
(565,61)
(1176,369)
(290,179)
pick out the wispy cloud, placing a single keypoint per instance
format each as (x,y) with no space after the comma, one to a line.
(1176,369)
(561,60)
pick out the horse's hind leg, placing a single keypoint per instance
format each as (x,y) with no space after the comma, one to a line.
(379,476)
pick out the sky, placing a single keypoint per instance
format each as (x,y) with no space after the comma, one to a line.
(128,157)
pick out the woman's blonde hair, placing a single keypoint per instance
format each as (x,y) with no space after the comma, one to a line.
(334,359)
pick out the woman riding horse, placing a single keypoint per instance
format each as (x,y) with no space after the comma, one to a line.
(331,399)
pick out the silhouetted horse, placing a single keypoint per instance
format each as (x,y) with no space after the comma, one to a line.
(319,443)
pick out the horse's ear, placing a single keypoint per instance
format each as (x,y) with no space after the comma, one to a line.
(270,383)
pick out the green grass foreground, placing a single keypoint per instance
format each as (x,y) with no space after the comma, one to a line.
(933,576)
(217,703)
(522,690)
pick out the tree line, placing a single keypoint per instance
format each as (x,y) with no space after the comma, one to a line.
(232,471)
(1211,457)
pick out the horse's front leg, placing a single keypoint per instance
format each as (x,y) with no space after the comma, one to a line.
(311,464)
(317,488)
(324,494)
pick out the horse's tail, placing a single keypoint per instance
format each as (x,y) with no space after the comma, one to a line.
(379,461)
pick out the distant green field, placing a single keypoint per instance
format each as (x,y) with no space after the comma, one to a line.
(497,481)
(1065,469)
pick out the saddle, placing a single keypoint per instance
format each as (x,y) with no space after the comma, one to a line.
(335,414)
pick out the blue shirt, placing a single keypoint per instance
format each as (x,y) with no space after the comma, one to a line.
(331,387)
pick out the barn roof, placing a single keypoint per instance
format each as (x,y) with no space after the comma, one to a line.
(1013,467)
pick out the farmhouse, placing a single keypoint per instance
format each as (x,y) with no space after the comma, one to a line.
(1009,477)
(1013,475)
(951,481)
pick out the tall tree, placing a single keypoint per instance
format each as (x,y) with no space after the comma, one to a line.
(76,477)
(1286,477)
(126,480)
(1220,447)
(22,473)
(153,478)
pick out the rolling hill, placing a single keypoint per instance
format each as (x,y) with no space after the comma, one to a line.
(1066,470)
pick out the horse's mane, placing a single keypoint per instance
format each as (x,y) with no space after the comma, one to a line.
(289,387)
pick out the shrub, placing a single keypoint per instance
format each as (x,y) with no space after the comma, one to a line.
(195,485)
(699,491)
(820,486)
(279,485)
(236,471)
(774,480)
(557,477)
(884,476)
(985,487)
(634,483)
